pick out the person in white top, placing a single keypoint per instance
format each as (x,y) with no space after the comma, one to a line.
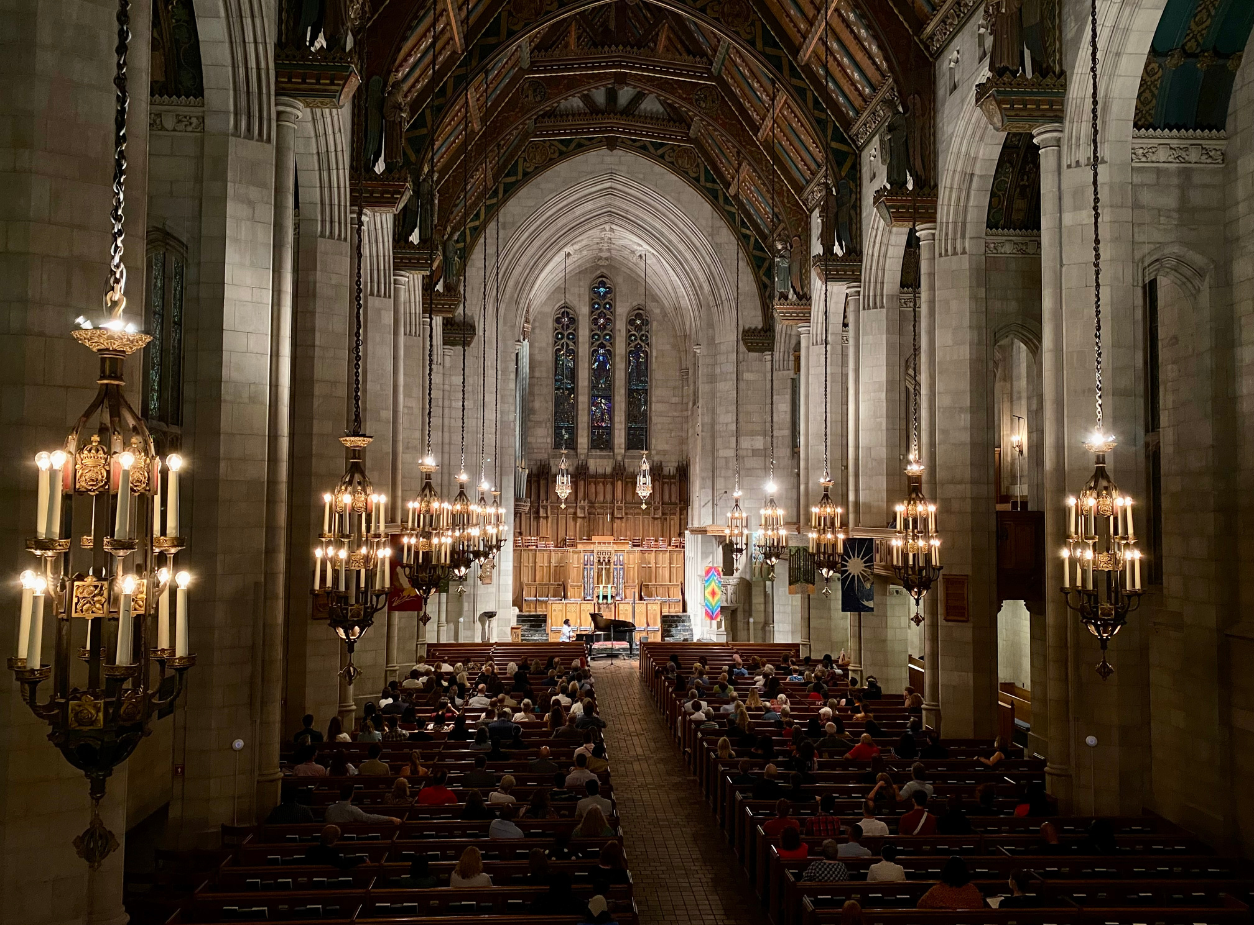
(502,793)
(918,774)
(469,870)
(886,869)
(481,698)
(872,827)
(568,632)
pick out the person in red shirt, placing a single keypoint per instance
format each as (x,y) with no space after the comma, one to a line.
(825,822)
(791,847)
(865,750)
(435,793)
(774,828)
(918,821)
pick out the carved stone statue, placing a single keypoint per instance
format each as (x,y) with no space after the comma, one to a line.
(836,220)
(395,118)
(452,273)
(783,277)
(426,208)
(374,123)
(800,276)
(1007,24)
(895,149)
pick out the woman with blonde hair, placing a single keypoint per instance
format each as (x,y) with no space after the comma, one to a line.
(594,825)
(754,700)
(725,748)
(414,767)
(851,913)
(469,870)
(399,794)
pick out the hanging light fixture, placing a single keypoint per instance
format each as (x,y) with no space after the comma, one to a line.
(562,487)
(738,529)
(644,478)
(1101,562)
(495,521)
(916,545)
(353,550)
(827,538)
(107,585)
(424,546)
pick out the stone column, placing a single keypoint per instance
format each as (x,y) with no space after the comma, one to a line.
(803,457)
(278,450)
(927,450)
(400,293)
(854,396)
(1058,769)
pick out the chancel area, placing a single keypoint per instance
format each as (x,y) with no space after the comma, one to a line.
(501,462)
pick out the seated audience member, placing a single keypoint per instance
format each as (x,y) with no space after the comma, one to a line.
(374,766)
(833,744)
(480,777)
(986,800)
(918,781)
(569,731)
(480,698)
(872,827)
(335,731)
(392,732)
(1050,842)
(579,774)
(851,913)
(543,764)
(1035,802)
(768,787)
(611,869)
(435,791)
(999,754)
(884,792)
(308,735)
(469,870)
(887,868)
(538,873)
(955,890)
(744,775)
(399,795)
(865,750)
(854,848)
(1101,838)
(594,798)
(459,732)
(830,869)
(505,826)
(344,811)
(419,876)
(559,900)
(597,761)
(775,826)
(593,825)
(1020,882)
(306,766)
(791,847)
(475,807)
(540,806)
(340,766)
(414,681)
(954,820)
(369,732)
(933,750)
(290,811)
(325,852)
(825,822)
(559,793)
(918,821)
(502,794)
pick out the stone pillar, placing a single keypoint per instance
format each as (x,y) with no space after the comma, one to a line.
(1057,694)
(803,457)
(400,295)
(927,450)
(854,396)
(278,450)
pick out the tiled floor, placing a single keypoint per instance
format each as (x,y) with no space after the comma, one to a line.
(683,870)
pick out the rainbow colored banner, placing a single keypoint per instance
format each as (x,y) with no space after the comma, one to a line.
(713,591)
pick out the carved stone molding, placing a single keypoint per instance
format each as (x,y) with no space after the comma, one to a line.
(1015,103)
(319,79)
(792,311)
(946,21)
(1012,243)
(843,269)
(1206,149)
(902,208)
(758,340)
(176,114)
(884,104)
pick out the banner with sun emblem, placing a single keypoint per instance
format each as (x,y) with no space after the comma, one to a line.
(857,575)
(713,591)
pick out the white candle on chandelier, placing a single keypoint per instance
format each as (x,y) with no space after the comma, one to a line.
(1127,507)
(326,513)
(935,553)
(361,573)
(44,462)
(23,624)
(163,609)
(383,513)
(343,556)
(126,624)
(1136,570)
(347,500)
(330,566)
(381,571)
(173,462)
(1066,569)
(156,497)
(183,579)
(34,654)
(122,522)
(1088,570)
(374,513)
(57,487)
(931,518)
(318,569)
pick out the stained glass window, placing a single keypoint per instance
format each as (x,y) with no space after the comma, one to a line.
(601,361)
(565,329)
(163,358)
(638,381)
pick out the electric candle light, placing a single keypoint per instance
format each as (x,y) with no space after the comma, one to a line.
(318,569)
(343,556)
(44,462)
(180,619)
(34,655)
(326,512)
(347,501)
(54,502)
(156,499)
(23,625)
(122,524)
(163,610)
(374,513)
(173,462)
(126,623)
(1066,569)
(382,507)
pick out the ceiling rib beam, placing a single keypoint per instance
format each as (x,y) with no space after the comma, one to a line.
(816,33)
(455,28)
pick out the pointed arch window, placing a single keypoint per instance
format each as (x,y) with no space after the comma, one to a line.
(565,331)
(638,342)
(601,365)
(163,359)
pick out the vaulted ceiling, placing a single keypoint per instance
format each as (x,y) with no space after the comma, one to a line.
(766,94)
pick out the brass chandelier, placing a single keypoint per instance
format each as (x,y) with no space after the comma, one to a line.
(1101,562)
(106,554)
(827,537)
(916,544)
(351,562)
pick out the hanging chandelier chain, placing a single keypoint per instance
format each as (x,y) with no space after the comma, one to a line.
(361,230)
(736,348)
(430,206)
(117,272)
(1097,240)
(483,336)
(465,241)
(496,337)
(914,422)
(827,185)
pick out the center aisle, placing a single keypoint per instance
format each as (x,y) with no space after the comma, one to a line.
(682,868)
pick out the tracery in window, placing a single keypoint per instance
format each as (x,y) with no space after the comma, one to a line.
(565,330)
(601,363)
(638,341)
(163,358)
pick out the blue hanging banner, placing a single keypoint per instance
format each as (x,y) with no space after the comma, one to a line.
(857,575)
